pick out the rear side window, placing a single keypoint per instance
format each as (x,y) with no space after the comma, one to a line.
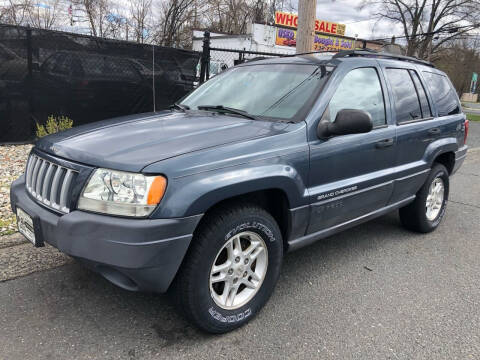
(443,94)
(360,89)
(422,96)
(407,104)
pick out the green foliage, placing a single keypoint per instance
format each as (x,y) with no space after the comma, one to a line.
(473,117)
(54,124)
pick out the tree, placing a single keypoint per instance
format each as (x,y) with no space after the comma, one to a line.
(231,16)
(175,17)
(16,12)
(459,61)
(96,12)
(44,16)
(140,11)
(424,21)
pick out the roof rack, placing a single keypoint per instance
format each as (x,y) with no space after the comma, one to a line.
(313,52)
(381,55)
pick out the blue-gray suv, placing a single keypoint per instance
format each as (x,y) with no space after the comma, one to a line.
(204,200)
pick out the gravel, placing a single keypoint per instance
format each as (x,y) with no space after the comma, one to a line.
(12,165)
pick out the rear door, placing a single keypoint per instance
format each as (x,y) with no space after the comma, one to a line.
(419,122)
(350,175)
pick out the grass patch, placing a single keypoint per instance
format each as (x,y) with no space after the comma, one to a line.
(473,117)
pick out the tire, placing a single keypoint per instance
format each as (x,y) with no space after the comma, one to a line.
(415,216)
(200,300)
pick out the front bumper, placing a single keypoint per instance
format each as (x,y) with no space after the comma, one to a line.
(135,254)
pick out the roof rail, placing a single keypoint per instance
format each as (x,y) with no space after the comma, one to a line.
(381,55)
(313,52)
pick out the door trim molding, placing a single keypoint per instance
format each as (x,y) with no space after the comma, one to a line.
(298,243)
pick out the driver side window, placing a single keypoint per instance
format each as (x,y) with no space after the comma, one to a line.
(360,89)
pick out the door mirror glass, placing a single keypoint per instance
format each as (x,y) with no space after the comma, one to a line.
(347,121)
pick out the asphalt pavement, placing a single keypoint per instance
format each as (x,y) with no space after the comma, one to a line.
(374,292)
(473,140)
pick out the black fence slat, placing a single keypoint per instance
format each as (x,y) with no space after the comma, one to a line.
(44,73)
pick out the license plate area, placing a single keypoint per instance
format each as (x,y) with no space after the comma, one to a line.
(26,227)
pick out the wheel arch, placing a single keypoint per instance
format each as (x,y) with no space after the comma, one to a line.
(273,200)
(447,159)
(442,151)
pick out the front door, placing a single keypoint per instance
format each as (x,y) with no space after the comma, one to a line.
(352,175)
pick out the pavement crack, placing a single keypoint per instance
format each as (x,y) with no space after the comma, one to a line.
(462,203)
(462,173)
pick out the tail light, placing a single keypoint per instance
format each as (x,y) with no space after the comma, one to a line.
(466,131)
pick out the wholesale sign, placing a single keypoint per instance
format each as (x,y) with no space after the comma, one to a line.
(288,20)
(287,37)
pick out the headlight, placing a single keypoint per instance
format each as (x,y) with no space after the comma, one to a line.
(122,193)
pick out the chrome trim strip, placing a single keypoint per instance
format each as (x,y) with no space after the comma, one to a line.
(29,170)
(46,183)
(54,188)
(356,192)
(34,175)
(413,175)
(39,183)
(40,180)
(67,180)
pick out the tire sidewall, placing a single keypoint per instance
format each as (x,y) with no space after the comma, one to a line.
(208,310)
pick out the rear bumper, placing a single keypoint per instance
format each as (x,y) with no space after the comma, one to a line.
(460,156)
(135,254)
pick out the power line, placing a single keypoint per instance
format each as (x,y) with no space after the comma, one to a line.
(450,30)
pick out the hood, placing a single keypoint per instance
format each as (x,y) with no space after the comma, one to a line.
(133,142)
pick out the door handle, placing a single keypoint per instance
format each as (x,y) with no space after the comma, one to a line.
(434,131)
(384,143)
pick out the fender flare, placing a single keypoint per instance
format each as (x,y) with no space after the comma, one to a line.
(196,194)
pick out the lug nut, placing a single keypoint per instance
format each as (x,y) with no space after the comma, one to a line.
(237,259)
(246,261)
(230,271)
(245,274)
(235,280)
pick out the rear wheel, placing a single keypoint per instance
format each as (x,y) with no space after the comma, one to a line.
(231,268)
(427,211)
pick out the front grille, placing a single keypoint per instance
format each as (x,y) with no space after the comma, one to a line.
(50,183)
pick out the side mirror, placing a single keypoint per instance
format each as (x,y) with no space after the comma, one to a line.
(348,121)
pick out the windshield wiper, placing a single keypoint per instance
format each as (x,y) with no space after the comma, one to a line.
(180,107)
(225,109)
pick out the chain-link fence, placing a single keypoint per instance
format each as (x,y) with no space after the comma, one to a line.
(215,60)
(44,73)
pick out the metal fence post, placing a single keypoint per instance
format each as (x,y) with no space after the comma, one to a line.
(205,62)
(30,76)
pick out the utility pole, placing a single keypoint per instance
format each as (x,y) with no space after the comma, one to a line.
(307,10)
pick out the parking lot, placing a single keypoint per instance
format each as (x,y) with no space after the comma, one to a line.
(373,292)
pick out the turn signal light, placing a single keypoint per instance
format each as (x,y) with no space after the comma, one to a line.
(157,190)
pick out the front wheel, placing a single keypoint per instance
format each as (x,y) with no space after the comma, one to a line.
(427,211)
(231,268)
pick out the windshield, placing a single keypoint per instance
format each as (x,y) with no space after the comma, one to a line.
(273,90)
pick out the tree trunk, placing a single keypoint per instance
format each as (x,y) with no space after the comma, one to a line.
(306,25)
